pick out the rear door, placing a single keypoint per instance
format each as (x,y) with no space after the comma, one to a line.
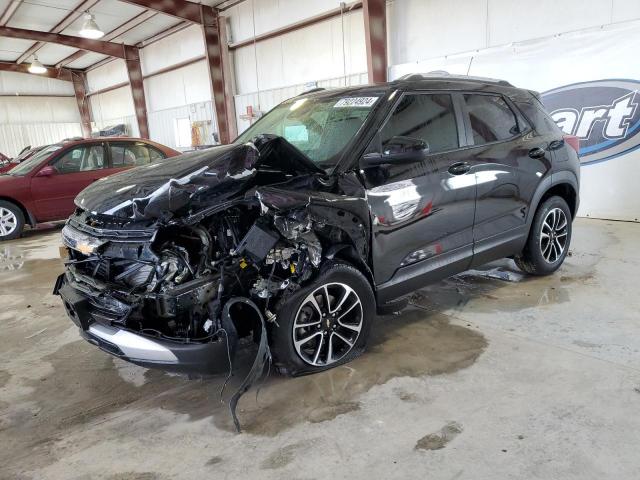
(422,213)
(508,160)
(75,169)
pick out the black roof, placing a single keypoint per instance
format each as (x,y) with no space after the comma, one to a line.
(431,81)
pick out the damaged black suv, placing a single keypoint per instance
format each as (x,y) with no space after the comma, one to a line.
(330,208)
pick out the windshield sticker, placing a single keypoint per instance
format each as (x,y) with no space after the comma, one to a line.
(362,102)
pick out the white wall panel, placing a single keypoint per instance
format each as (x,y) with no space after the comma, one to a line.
(12,83)
(272,14)
(109,74)
(179,87)
(424,29)
(309,54)
(419,29)
(14,137)
(179,47)
(513,21)
(20,110)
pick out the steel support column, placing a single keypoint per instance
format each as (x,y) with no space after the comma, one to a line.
(220,73)
(375,28)
(132,59)
(79,87)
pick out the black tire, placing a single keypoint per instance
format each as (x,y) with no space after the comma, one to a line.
(15,226)
(537,258)
(287,359)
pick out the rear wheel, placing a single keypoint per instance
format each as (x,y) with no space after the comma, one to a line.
(11,221)
(549,238)
(324,324)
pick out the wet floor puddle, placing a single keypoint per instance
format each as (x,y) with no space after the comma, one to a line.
(85,386)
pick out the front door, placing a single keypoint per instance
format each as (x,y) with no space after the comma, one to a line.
(74,169)
(509,160)
(422,213)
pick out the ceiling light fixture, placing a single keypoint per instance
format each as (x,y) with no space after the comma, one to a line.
(36,66)
(90,28)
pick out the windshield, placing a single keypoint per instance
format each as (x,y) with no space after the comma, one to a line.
(31,163)
(25,154)
(319,127)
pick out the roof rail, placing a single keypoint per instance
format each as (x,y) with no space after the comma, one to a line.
(442,74)
(317,89)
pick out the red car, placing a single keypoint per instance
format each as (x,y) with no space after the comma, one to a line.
(42,188)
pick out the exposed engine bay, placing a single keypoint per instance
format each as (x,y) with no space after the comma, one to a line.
(174,273)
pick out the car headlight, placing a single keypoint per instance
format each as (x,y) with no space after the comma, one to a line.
(80,242)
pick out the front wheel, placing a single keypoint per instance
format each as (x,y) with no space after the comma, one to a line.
(324,324)
(11,221)
(549,238)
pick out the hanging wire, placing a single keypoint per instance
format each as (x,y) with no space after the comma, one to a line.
(255,50)
(344,54)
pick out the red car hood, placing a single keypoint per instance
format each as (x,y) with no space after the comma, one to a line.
(7,166)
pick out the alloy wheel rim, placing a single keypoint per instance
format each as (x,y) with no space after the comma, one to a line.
(327,324)
(8,222)
(554,234)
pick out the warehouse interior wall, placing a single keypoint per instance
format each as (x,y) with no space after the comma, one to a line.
(35,111)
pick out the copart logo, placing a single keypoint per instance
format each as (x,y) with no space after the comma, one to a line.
(604,114)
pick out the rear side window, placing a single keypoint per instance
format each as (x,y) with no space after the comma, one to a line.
(133,154)
(541,120)
(428,117)
(491,118)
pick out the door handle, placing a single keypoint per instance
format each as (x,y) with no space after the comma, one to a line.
(537,152)
(459,168)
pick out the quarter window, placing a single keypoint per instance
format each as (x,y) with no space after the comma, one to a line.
(80,159)
(428,117)
(491,118)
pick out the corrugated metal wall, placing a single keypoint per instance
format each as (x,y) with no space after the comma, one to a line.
(14,137)
(36,120)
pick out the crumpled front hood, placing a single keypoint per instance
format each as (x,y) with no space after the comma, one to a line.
(154,190)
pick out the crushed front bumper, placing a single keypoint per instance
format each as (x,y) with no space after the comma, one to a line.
(144,350)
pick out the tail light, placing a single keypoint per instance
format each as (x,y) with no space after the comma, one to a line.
(573,141)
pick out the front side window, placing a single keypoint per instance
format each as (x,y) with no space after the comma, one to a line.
(428,117)
(83,158)
(32,162)
(491,118)
(320,127)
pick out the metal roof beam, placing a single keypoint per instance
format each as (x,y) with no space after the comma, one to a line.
(98,46)
(176,8)
(58,73)
(9,11)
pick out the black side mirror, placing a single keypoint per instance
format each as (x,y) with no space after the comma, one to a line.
(398,150)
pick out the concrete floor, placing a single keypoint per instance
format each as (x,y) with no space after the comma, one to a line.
(489,375)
